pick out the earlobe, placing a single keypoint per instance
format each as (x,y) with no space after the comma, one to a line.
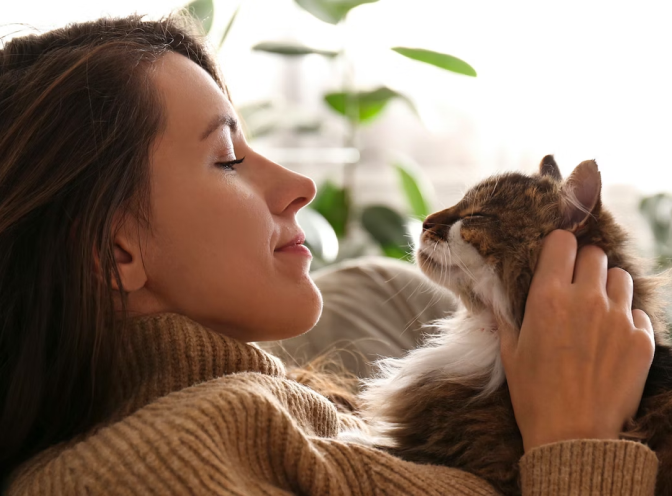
(580,196)
(132,276)
(130,267)
(126,257)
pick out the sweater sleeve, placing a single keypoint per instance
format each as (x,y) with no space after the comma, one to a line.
(597,467)
(258,435)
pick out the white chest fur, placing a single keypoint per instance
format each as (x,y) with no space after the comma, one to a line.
(461,348)
(464,347)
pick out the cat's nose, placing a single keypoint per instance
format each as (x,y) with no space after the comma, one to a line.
(427,225)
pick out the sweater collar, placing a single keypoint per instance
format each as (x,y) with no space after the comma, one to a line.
(167,352)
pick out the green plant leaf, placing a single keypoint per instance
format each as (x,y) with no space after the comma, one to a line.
(388,228)
(331,11)
(291,49)
(442,60)
(228,26)
(320,236)
(334,205)
(369,103)
(657,210)
(264,117)
(203,10)
(412,186)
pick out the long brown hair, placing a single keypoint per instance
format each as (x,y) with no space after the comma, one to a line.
(78,116)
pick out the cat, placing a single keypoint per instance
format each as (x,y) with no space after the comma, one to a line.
(447,402)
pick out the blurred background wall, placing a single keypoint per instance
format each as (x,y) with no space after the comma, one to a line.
(579,79)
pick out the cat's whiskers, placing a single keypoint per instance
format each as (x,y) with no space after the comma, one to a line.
(436,297)
(444,266)
(464,267)
(434,399)
(445,273)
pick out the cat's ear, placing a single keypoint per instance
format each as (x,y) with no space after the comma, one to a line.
(548,167)
(580,195)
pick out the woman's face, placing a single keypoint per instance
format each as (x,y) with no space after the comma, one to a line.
(213,250)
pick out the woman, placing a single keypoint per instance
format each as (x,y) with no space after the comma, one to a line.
(144,243)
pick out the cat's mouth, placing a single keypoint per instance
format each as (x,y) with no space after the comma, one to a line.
(427,263)
(444,265)
(435,270)
(429,249)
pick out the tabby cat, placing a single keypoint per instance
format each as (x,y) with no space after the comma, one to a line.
(447,402)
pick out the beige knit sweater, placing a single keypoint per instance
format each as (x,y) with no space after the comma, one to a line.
(199,413)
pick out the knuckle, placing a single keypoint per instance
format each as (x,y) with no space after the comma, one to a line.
(620,274)
(642,343)
(624,313)
(622,317)
(595,300)
(641,319)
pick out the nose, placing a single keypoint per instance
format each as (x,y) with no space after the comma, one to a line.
(302,192)
(440,222)
(427,225)
(290,191)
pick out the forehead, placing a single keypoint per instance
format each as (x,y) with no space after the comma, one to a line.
(508,189)
(189,95)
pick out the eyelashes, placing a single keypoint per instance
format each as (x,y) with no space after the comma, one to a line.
(230,166)
(478,217)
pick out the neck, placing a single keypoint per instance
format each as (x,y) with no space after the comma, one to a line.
(167,352)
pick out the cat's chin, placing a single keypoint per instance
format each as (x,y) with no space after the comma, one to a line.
(447,276)
(461,283)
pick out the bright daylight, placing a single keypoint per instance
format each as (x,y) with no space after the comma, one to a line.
(335,247)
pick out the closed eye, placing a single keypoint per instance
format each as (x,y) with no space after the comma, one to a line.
(230,165)
(478,217)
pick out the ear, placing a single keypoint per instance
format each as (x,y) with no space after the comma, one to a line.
(580,195)
(548,167)
(127,258)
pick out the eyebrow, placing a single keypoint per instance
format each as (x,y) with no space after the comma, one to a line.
(217,122)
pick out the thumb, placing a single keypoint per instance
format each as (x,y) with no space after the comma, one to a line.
(508,340)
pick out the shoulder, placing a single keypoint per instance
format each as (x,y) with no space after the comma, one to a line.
(175,440)
(244,433)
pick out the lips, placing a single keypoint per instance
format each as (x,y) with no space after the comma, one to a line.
(299,239)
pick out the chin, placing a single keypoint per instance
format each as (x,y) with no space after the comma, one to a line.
(294,316)
(309,313)
(446,276)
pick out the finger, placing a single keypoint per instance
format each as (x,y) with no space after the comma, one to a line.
(642,321)
(591,268)
(508,341)
(620,287)
(557,258)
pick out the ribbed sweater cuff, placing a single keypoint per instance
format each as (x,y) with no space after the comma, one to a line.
(607,468)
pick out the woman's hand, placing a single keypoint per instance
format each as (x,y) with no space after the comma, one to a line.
(578,367)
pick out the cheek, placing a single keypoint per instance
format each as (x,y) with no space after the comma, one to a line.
(484,280)
(481,238)
(208,244)
(212,259)
(461,248)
